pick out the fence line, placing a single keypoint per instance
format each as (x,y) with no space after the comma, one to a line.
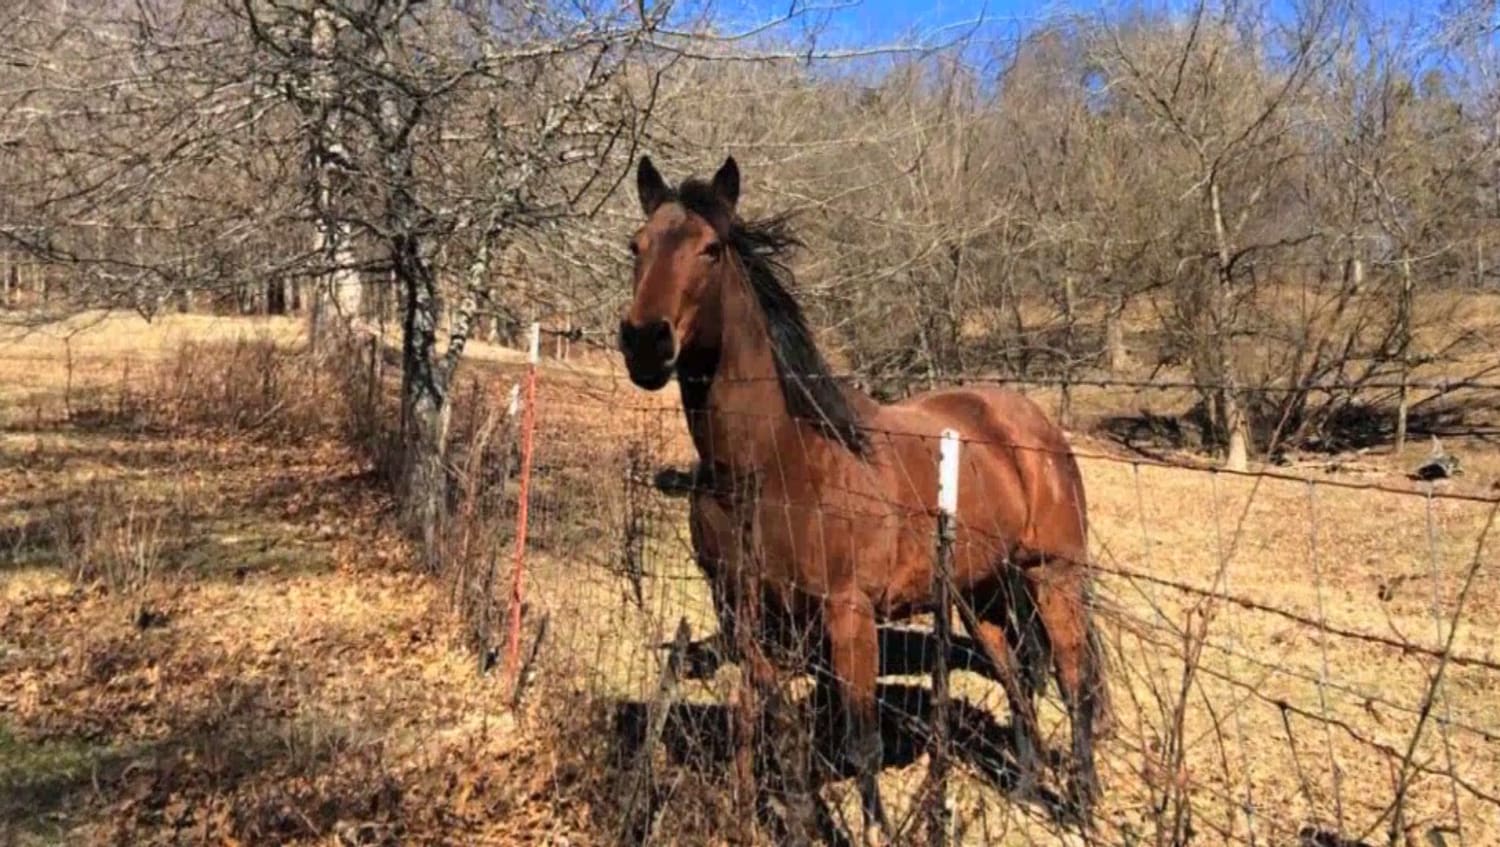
(1256,474)
(1243,771)
(523,501)
(1476,381)
(1319,624)
(1247,603)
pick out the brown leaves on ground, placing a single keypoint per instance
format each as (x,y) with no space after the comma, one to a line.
(295,684)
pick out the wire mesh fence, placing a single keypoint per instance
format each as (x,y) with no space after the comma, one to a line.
(1289,658)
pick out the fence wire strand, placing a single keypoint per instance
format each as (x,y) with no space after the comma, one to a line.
(1264,690)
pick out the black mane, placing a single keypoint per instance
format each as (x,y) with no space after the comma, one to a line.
(810,391)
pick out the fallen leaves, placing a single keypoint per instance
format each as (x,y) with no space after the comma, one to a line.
(330,702)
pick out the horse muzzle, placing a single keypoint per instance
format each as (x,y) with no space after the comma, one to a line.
(650,352)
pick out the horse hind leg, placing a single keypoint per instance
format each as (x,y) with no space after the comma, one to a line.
(1104,709)
(1058,591)
(984,618)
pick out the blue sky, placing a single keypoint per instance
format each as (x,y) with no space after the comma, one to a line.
(851,23)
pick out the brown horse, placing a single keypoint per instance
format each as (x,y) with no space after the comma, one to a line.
(845,488)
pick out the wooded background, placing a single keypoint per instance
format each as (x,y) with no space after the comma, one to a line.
(1289,208)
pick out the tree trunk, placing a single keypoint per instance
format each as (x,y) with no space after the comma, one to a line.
(489,329)
(276,297)
(426,377)
(424,404)
(1403,341)
(1114,335)
(336,293)
(1235,423)
(139,295)
(1070,317)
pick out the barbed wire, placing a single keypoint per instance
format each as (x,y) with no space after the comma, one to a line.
(1139,624)
(1474,382)
(1101,382)
(1429,490)
(1304,620)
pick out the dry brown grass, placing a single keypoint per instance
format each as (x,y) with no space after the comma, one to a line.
(1286,724)
(294,682)
(102,360)
(209,633)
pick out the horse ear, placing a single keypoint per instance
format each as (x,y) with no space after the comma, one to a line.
(727,182)
(649,185)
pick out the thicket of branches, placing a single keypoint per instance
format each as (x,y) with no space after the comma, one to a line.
(1228,198)
(1231,196)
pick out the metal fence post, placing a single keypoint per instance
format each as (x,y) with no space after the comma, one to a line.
(518,575)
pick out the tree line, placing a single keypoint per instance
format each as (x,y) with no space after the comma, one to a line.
(1302,198)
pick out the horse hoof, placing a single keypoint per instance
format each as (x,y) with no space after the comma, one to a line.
(875,836)
(699,661)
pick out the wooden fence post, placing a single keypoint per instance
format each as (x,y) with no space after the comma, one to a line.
(746,719)
(947,510)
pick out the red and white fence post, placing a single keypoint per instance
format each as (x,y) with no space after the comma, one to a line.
(523,497)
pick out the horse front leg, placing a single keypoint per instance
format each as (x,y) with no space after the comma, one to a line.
(708,525)
(855,656)
(706,655)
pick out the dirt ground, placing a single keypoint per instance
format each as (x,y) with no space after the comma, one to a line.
(209,637)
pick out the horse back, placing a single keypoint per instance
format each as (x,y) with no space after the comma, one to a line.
(1019,467)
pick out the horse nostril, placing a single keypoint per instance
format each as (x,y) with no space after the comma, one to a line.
(660,335)
(653,340)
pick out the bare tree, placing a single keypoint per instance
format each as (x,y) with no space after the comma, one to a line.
(1204,190)
(1205,85)
(524,110)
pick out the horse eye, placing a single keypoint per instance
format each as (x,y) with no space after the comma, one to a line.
(714,249)
(635,249)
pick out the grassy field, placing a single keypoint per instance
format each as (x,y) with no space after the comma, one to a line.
(215,636)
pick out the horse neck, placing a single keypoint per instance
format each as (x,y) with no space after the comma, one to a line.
(731,394)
